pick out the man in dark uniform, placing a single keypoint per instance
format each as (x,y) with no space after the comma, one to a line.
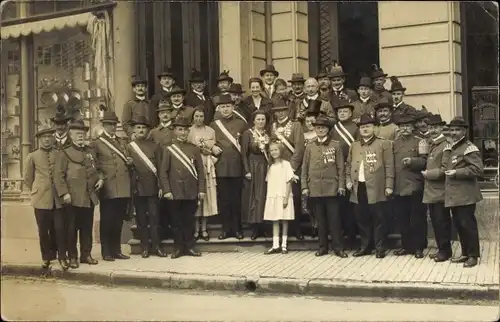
(182,179)
(366,101)
(269,75)
(386,128)
(240,108)
(223,83)
(112,160)
(39,179)
(176,96)
(291,134)
(297,83)
(434,188)
(163,133)
(345,131)
(379,78)
(139,106)
(146,156)
(61,124)
(229,167)
(78,180)
(370,178)
(196,96)
(462,193)
(167,82)
(411,215)
(337,81)
(398,92)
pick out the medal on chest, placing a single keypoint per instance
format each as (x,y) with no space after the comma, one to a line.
(91,160)
(371,160)
(328,155)
(285,130)
(454,160)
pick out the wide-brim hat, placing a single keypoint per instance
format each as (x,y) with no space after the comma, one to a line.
(365,81)
(176,90)
(235,88)
(45,128)
(279,104)
(322,74)
(196,77)
(164,105)
(140,120)
(109,117)
(366,119)
(297,78)
(458,121)
(61,115)
(343,104)
(224,76)
(404,119)
(435,119)
(181,121)
(79,125)
(382,104)
(396,85)
(224,99)
(269,69)
(138,80)
(167,71)
(377,72)
(336,71)
(314,107)
(322,120)
(421,114)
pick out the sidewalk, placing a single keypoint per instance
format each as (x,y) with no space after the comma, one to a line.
(298,272)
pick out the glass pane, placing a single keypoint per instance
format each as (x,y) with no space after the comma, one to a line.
(42,7)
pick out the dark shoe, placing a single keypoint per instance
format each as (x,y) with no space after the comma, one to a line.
(255,234)
(284,250)
(239,236)
(205,236)
(64,264)
(340,253)
(380,254)
(321,252)
(402,252)
(88,260)
(441,257)
(121,256)
(299,235)
(471,262)
(145,254)
(160,253)
(196,236)
(461,259)
(272,251)
(45,264)
(223,236)
(73,263)
(193,253)
(108,258)
(176,254)
(419,254)
(360,253)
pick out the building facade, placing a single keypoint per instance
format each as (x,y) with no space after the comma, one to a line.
(83,54)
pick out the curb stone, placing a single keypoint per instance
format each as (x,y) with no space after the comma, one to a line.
(257,284)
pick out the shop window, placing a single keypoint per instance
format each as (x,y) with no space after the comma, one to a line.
(13,62)
(50,6)
(9,10)
(44,55)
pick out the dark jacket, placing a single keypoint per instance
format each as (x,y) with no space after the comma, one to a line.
(436,165)
(192,99)
(408,179)
(136,108)
(145,181)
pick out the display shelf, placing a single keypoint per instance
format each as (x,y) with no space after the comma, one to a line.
(11,137)
(11,116)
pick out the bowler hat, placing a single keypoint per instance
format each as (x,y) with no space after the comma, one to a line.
(279,104)
(164,105)
(366,119)
(269,69)
(404,119)
(297,78)
(196,77)
(176,90)
(166,72)
(181,121)
(140,119)
(377,72)
(79,125)
(45,128)
(235,88)
(336,70)
(342,104)
(224,76)
(435,119)
(396,85)
(109,117)
(458,121)
(322,120)
(225,99)
(314,107)
(136,80)
(61,115)
(365,81)
(322,74)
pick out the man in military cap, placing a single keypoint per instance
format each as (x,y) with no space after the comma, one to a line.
(398,92)
(167,82)
(176,97)
(113,161)
(196,96)
(385,129)
(138,106)
(379,78)
(39,172)
(78,180)
(229,167)
(297,83)
(163,133)
(61,124)
(366,102)
(370,178)
(223,83)
(411,215)
(434,191)
(345,131)
(146,156)
(463,168)
(298,110)
(291,134)
(269,75)
(182,181)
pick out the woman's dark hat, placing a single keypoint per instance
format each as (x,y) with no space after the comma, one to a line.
(435,119)
(269,69)
(61,115)
(322,120)
(79,125)
(109,117)
(224,76)
(140,119)
(366,119)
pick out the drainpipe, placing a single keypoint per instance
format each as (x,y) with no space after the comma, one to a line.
(26,113)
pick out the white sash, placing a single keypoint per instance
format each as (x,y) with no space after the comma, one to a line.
(240,116)
(143,157)
(260,135)
(114,149)
(229,136)
(182,157)
(344,134)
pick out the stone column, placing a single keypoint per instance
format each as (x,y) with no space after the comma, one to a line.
(290,50)
(420,43)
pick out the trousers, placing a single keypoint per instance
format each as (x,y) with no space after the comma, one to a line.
(80,221)
(183,218)
(466,225)
(326,211)
(51,231)
(371,221)
(229,203)
(147,214)
(411,218)
(441,224)
(113,213)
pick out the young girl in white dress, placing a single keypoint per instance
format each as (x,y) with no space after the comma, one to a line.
(279,201)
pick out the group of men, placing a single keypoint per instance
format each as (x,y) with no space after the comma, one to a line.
(392,156)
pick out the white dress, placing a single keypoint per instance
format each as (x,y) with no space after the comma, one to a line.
(278,175)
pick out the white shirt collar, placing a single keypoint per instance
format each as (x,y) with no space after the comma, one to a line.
(141,98)
(438,138)
(315,96)
(109,135)
(364,100)
(167,89)
(338,89)
(166,124)
(177,106)
(283,121)
(323,139)
(397,105)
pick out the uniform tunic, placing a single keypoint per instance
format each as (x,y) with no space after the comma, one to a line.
(402,109)
(408,179)
(436,165)
(146,183)
(387,131)
(335,96)
(183,111)
(229,164)
(163,134)
(137,108)
(361,107)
